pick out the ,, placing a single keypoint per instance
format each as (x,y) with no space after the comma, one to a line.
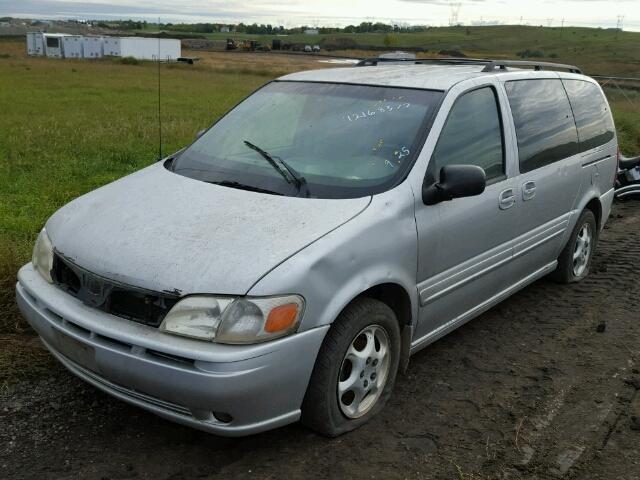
(288,262)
